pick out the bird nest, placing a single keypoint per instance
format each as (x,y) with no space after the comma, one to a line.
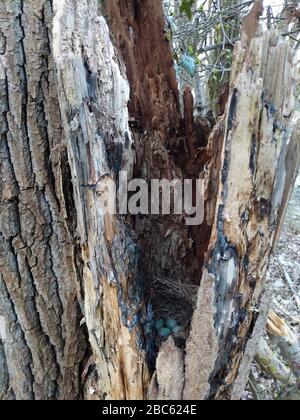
(173,303)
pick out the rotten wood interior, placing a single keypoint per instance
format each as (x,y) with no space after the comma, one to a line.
(243,169)
(168,144)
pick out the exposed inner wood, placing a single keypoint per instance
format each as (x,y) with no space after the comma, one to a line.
(93,96)
(166,144)
(251,184)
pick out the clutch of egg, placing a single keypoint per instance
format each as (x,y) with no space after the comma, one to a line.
(166,326)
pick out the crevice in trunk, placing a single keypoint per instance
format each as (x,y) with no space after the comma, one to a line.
(167,145)
(68,192)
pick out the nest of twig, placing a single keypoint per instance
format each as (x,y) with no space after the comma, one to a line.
(174,300)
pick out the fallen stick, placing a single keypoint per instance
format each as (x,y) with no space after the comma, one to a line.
(270,364)
(254,387)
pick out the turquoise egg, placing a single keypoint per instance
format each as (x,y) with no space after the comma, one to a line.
(159,323)
(171,323)
(164,332)
(176,329)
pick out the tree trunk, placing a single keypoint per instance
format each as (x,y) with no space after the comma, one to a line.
(41,343)
(88,90)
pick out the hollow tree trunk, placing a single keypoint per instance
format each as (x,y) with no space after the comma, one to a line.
(83,97)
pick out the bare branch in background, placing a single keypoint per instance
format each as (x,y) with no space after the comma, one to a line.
(203,45)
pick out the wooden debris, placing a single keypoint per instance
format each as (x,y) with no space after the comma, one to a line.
(285,339)
(271,365)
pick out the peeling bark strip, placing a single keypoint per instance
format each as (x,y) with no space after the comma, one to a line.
(41,344)
(202,346)
(168,381)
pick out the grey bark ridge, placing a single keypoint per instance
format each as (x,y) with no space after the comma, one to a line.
(41,342)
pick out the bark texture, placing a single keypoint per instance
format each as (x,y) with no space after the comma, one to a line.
(41,343)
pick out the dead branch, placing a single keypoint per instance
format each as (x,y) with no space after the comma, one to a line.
(254,387)
(270,364)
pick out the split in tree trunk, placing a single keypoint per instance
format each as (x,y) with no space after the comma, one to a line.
(88,91)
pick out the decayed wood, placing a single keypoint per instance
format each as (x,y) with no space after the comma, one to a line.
(257,122)
(270,364)
(59,137)
(285,339)
(166,146)
(202,347)
(166,143)
(85,135)
(249,207)
(168,381)
(292,163)
(93,95)
(251,22)
(251,347)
